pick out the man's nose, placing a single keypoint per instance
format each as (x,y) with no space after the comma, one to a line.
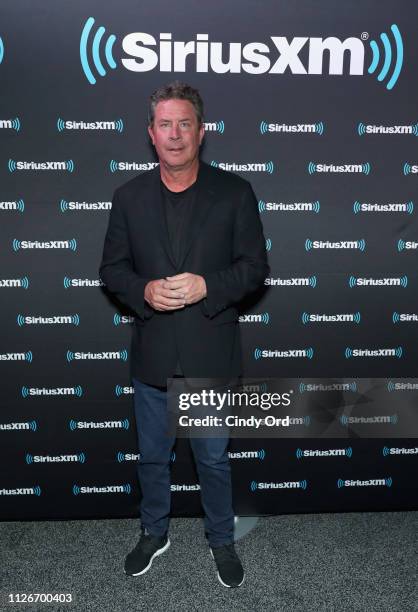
(175,132)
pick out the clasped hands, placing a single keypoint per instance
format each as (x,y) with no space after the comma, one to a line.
(174,292)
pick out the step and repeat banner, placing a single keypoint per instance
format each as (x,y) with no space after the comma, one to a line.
(316,104)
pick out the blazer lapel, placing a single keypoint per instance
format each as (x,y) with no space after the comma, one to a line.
(158,213)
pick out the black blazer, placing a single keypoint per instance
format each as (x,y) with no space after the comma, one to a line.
(224,243)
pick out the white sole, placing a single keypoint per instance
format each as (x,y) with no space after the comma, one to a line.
(160,551)
(228,586)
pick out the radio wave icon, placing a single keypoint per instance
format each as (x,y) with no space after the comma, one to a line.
(388,481)
(25,282)
(410,207)
(29,356)
(72,425)
(269,167)
(24,391)
(299,453)
(220,127)
(127,488)
(16,124)
(173,457)
(385,451)
(76,489)
(113,165)
(20,205)
(20,320)
(75,319)
(268,244)
(319,128)
(214,164)
(308,244)
(73,244)
(70,356)
(1,50)
(357,317)
(361,244)
(64,205)
(119,125)
(302,387)
(353,386)
(29,458)
(361,129)
(394,419)
(116,319)
(11,164)
(257,353)
(37,490)
(303,484)
(391,386)
(307,420)
(404,281)
(366,168)
(16,244)
(69,165)
(95,50)
(253,486)
(120,457)
(78,390)
(81,457)
(395,317)
(406,168)
(311,168)
(263,387)
(316,206)
(60,124)
(309,352)
(265,318)
(352,281)
(305,318)
(312,281)
(349,452)
(356,207)
(348,352)
(340,483)
(387,54)
(67,282)
(118,390)
(125,424)
(261,454)
(263,127)
(124,355)
(401,245)
(261,206)
(399,352)
(33,425)
(414,127)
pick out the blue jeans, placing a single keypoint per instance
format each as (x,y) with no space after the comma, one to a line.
(155,447)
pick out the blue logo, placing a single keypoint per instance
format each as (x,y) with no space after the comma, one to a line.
(387,56)
(93,47)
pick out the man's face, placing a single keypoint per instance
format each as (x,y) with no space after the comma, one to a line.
(176,134)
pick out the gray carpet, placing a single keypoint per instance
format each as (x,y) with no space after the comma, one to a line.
(327,562)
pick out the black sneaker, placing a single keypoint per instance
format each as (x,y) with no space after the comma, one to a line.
(230,571)
(140,559)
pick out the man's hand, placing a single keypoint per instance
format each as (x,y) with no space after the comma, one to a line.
(174,292)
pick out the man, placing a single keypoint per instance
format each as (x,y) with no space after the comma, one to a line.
(184,245)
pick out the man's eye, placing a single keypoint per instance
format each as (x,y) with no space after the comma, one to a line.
(185,124)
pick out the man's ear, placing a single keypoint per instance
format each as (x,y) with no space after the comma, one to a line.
(151,134)
(201,132)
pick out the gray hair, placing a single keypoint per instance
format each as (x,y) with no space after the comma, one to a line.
(176,91)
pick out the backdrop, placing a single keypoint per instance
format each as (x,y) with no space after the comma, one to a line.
(316,104)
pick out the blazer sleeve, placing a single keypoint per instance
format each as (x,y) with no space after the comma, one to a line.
(116,268)
(249,267)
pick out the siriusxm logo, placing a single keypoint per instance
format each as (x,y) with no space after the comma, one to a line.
(55,320)
(119,391)
(81,282)
(28,356)
(36,490)
(364,168)
(402,386)
(122,319)
(330,452)
(290,207)
(255,318)
(123,355)
(121,457)
(393,450)
(408,169)
(353,317)
(18,205)
(402,207)
(123,488)
(13,165)
(15,282)
(66,206)
(309,387)
(340,244)
(144,52)
(254,454)
(248,167)
(371,482)
(404,317)
(116,125)
(73,425)
(307,353)
(310,281)
(304,128)
(184,487)
(76,458)
(265,486)
(368,420)
(407,245)
(10,124)
(48,244)
(214,126)
(380,352)
(42,391)
(399,281)
(363,129)
(26,425)
(128,166)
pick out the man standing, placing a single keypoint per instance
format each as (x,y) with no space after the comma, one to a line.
(184,245)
